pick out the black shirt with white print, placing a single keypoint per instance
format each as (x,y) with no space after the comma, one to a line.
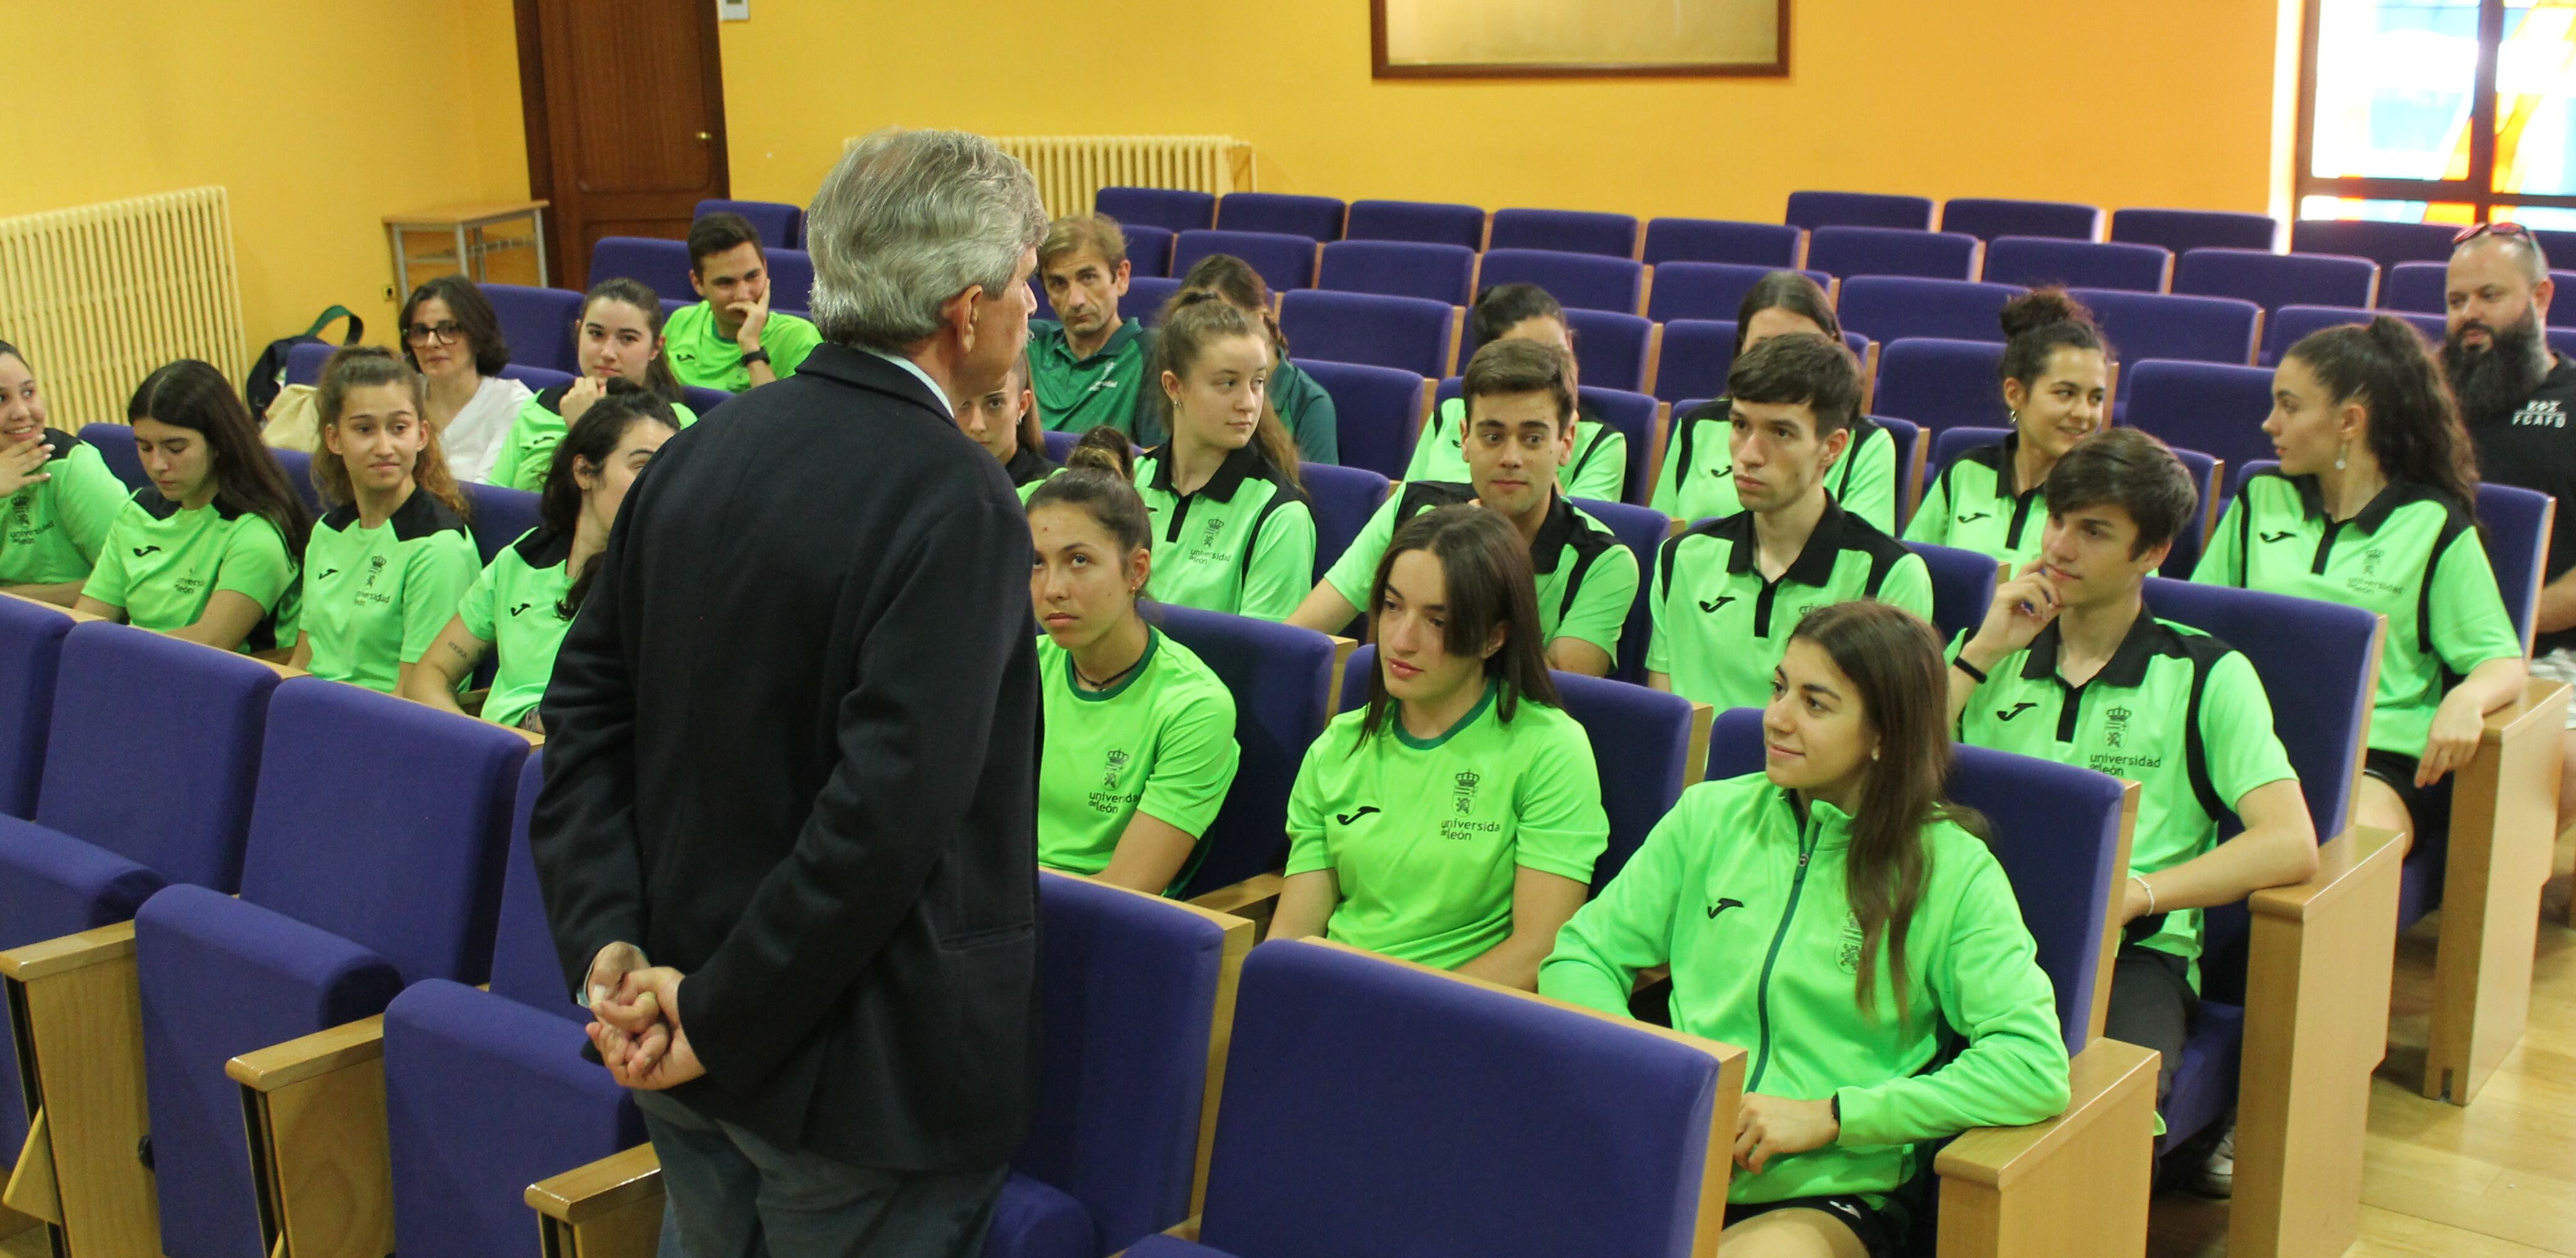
(2534,447)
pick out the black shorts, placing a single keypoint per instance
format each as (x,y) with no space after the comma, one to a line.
(2430,810)
(1883,1230)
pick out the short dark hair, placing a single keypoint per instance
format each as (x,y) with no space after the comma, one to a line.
(1791,291)
(1801,368)
(2128,469)
(1506,306)
(474,318)
(716,233)
(1504,367)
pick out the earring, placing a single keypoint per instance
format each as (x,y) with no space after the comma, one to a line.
(2342,453)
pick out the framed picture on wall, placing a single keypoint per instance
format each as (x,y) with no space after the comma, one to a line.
(1416,39)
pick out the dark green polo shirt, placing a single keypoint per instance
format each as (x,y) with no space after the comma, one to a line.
(1079,394)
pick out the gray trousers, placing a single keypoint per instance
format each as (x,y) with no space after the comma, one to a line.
(731,1194)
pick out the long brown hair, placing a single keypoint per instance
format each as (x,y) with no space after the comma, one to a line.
(1486,572)
(1894,662)
(2415,429)
(593,438)
(369,367)
(1196,318)
(194,395)
(657,373)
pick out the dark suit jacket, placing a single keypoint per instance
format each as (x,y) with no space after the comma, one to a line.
(791,751)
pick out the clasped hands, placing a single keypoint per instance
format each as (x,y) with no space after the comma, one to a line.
(635,1021)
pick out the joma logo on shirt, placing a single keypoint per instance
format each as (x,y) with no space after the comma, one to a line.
(2282,536)
(1722,473)
(326,574)
(1352,818)
(521,608)
(2017,710)
(141,551)
(1974,516)
(1722,600)
(1723,904)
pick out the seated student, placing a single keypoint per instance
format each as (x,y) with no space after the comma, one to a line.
(2373,506)
(731,339)
(1300,403)
(1087,365)
(2057,372)
(1005,422)
(1231,527)
(391,556)
(2071,665)
(1698,482)
(1728,592)
(1139,748)
(207,553)
(619,338)
(61,497)
(1454,820)
(1874,959)
(1598,468)
(525,598)
(1521,408)
(451,336)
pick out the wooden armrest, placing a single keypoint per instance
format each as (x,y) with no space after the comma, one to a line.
(2345,865)
(1251,891)
(2542,705)
(307,1057)
(61,955)
(2075,1184)
(1342,649)
(1695,759)
(613,1183)
(472,700)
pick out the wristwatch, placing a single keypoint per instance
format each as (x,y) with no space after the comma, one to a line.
(755,356)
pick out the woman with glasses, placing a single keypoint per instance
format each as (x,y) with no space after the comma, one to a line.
(453,339)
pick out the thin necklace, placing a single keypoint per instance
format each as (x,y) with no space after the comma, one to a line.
(1112,679)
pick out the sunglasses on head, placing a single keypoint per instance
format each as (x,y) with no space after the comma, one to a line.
(2468,234)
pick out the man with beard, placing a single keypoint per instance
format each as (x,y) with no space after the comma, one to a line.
(2517,397)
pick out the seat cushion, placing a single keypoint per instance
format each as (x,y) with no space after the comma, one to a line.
(1033,1219)
(221,977)
(1167,1247)
(52,884)
(2205,1082)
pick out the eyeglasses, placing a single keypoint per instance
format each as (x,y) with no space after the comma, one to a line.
(2468,234)
(423,333)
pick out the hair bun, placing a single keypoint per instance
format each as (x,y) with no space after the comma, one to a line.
(1105,449)
(2041,307)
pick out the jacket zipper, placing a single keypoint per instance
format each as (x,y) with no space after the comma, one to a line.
(1762,991)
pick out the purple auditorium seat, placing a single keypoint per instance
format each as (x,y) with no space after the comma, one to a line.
(1375,411)
(2562,341)
(1342,499)
(1407,333)
(298,467)
(33,638)
(1610,349)
(1422,222)
(1642,530)
(703,400)
(304,362)
(1316,218)
(536,323)
(1285,262)
(781,226)
(2161,325)
(1172,209)
(1149,250)
(2185,230)
(1709,290)
(1988,219)
(2559,245)
(2036,262)
(2384,243)
(1060,444)
(1812,210)
(1856,251)
(1963,581)
(501,516)
(1281,676)
(115,445)
(1699,352)
(1633,414)
(1583,280)
(1145,297)
(1940,383)
(791,281)
(660,265)
(2274,280)
(346,898)
(2290,324)
(1888,308)
(2214,408)
(1565,231)
(2207,477)
(2515,523)
(1400,268)
(1770,246)
(2416,286)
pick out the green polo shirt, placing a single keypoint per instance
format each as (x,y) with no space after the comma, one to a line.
(1698,477)
(1159,742)
(704,357)
(1975,505)
(1587,580)
(1080,394)
(161,564)
(1424,835)
(1308,412)
(2411,556)
(515,604)
(2175,710)
(529,449)
(55,527)
(1598,470)
(375,598)
(1720,628)
(1244,543)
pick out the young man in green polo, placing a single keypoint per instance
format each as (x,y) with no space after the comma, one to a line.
(1520,432)
(2072,665)
(1728,592)
(1087,364)
(731,339)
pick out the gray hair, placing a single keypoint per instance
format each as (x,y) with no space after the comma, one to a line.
(909,219)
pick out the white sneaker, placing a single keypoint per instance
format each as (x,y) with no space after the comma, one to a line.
(2217,1177)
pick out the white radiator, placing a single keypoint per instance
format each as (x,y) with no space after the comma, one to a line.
(102,295)
(1070,168)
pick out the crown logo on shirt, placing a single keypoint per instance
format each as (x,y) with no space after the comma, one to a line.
(1109,776)
(1465,798)
(2118,730)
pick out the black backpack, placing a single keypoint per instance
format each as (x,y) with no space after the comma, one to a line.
(268,375)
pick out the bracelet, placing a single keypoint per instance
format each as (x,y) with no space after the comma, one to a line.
(755,356)
(1975,674)
(2151,895)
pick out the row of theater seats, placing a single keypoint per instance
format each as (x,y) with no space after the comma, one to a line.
(380,873)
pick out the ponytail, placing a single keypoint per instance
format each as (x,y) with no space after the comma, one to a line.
(2415,429)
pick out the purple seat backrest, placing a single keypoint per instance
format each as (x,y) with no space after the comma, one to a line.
(1812,210)
(1400,268)
(1856,251)
(1316,218)
(1583,280)
(1565,231)
(1285,262)
(1987,218)
(1771,246)
(2039,262)
(1172,209)
(1424,222)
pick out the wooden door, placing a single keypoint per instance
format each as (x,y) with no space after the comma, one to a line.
(625,116)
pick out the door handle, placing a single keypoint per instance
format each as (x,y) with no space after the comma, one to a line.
(704,136)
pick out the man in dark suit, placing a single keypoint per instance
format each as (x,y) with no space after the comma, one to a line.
(788,834)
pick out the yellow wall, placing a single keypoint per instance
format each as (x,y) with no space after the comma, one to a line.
(2125,102)
(320,117)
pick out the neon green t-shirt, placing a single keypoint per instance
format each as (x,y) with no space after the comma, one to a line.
(1720,628)
(515,604)
(55,527)
(1598,470)
(704,357)
(1698,477)
(1159,742)
(1423,835)
(1587,580)
(1243,544)
(161,564)
(1976,504)
(375,598)
(530,448)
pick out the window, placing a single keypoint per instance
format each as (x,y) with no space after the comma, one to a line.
(2442,111)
